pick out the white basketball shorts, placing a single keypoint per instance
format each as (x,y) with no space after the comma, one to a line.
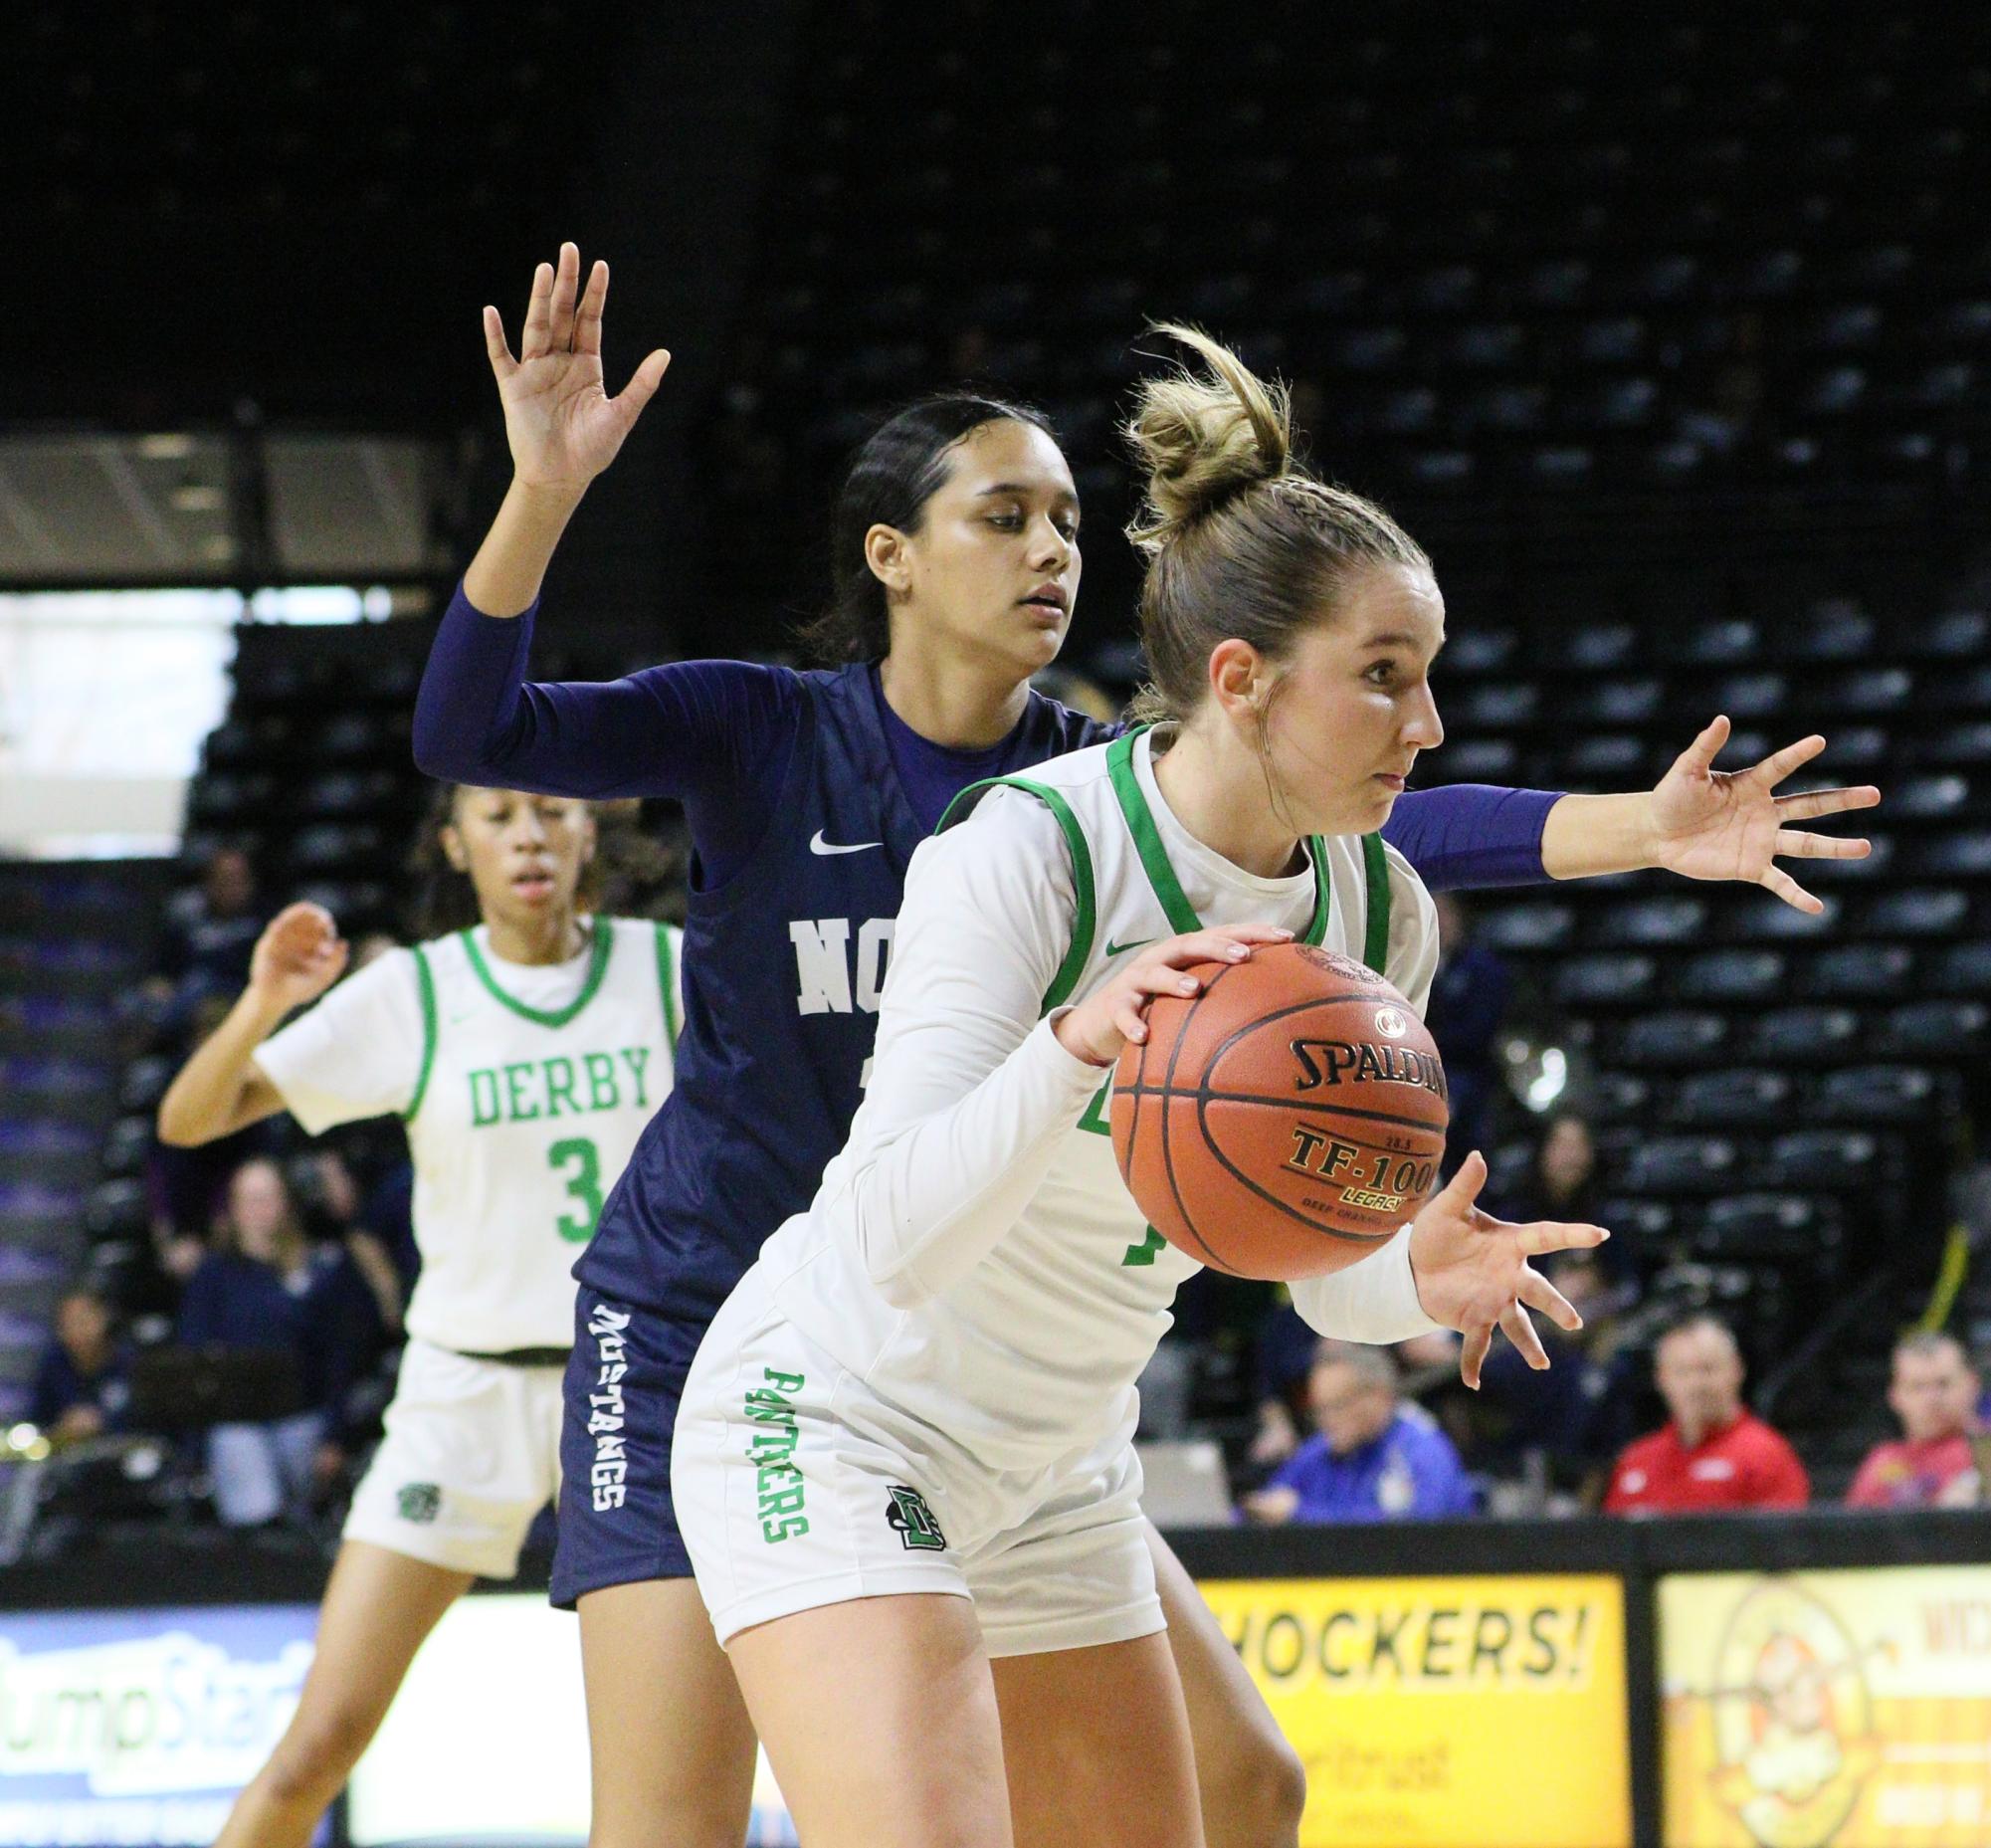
(472,1454)
(797,1486)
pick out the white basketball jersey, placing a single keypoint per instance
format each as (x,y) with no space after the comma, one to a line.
(1037,1350)
(522,1122)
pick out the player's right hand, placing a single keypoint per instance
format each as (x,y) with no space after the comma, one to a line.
(1473,1273)
(563,427)
(298,958)
(1108,1017)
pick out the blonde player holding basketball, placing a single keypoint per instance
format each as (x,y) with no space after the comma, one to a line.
(903,1462)
(525,1050)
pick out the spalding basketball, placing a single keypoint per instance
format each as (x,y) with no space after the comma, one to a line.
(1285,1120)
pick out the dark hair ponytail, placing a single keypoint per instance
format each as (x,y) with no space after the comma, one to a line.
(889,483)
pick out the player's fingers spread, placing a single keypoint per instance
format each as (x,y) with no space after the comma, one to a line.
(1149,978)
(1701,754)
(496,347)
(1780,763)
(1775,878)
(1471,1351)
(1810,804)
(566,280)
(643,382)
(1542,1236)
(1799,844)
(1464,1188)
(1538,1292)
(533,339)
(1520,1331)
(587,328)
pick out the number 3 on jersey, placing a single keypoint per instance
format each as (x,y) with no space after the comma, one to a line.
(584,1183)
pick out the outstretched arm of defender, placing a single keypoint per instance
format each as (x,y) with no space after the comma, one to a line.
(1704,823)
(561,424)
(219,1090)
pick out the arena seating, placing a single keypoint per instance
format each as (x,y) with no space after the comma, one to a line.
(1677,360)
(74,939)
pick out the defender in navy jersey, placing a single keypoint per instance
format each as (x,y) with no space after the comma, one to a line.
(956,548)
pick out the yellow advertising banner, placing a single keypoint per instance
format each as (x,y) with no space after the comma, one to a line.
(1445,1713)
(1843,1708)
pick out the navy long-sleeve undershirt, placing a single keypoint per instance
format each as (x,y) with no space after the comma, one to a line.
(716,735)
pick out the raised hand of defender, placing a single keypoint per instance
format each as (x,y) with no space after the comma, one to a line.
(1732,824)
(1109,1016)
(562,425)
(298,958)
(1472,1272)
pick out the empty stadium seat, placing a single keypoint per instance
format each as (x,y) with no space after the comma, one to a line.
(1743,1096)
(1673,1039)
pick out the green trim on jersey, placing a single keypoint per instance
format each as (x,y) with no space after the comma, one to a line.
(667,979)
(1154,859)
(1084,924)
(425,985)
(603,941)
(1375,862)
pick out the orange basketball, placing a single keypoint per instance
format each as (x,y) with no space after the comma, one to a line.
(1285,1120)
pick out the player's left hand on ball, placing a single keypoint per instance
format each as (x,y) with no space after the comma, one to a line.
(1732,824)
(1107,1018)
(1472,1272)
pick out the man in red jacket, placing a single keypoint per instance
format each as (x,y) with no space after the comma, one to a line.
(1716,1454)
(1933,1393)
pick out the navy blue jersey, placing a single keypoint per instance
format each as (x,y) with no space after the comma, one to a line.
(782,969)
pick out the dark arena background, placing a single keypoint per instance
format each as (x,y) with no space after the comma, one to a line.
(1665,329)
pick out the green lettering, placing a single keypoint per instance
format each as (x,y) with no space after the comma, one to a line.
(1096,1119)
(637,1058)
(585,1184)
(602,1090)
(484,1111)
(560,1083)
(516,1076)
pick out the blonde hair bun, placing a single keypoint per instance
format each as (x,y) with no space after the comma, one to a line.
(1203,439)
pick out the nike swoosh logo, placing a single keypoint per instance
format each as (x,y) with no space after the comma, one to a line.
(817,845)
(1118,949)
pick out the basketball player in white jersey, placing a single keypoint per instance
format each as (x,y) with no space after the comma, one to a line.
(524,1051)
(903,1462)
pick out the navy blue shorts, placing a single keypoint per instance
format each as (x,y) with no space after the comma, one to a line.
(624,1379)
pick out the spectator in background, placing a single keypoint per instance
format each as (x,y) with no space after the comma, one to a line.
(1469,1003)
(1563,1183)
(1933,1392)
(210,935)
(1714,1454)
(336,1216)
(1371,1458)
(1283,1357)
(266,1286)
(1577,1414)
(80,1386)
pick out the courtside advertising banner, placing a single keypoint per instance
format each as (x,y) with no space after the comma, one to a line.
(1843,1707)
(1445,1713)
(487,1739)
(141,1726)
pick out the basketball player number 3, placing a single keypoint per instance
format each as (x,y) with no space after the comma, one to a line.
(584,1183)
